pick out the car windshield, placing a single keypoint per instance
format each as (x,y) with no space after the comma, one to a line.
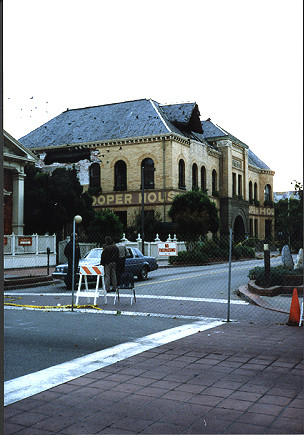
(93,254)
(138,252)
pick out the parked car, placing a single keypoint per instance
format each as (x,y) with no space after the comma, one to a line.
(137,263)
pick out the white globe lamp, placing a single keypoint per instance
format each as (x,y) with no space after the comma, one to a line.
(78,219)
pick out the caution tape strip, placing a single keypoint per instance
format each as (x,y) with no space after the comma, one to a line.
(46,307)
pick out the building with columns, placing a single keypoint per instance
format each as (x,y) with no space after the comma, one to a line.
(116,147)
(15,157)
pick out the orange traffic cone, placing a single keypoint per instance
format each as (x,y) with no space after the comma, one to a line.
(294,314)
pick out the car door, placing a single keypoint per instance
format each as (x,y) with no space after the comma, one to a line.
(133,263)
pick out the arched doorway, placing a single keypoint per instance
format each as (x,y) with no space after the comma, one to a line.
(239,229)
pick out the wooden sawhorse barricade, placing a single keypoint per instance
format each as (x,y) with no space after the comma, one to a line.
(87,270)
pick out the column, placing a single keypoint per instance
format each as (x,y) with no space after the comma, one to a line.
(246,177)
(18,203)
(226,168)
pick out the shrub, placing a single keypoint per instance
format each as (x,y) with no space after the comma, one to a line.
(243,252)
(212,250)
(190,257)
(276,275)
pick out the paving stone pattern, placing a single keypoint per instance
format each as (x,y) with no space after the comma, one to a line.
(233,379)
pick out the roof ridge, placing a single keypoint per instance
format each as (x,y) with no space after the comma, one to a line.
(107,104)
(178,104)
(159,114)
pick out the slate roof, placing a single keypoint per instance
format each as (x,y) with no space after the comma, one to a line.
(100,123)
(212,131)
(138,118)
(255,161)
(179,113)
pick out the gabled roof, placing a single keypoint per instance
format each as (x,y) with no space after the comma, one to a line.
(255,161)
(14,150)
(137,118)
(129,119)
(185,116)
(213,131)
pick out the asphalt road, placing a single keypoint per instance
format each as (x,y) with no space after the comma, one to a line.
(37,339)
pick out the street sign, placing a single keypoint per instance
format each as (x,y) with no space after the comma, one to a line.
(25,241)
(167,248)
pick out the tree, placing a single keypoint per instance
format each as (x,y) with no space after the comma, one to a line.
(52,201)
(105,223)
(289,220)
(152,226)
(194,215)
(299,189)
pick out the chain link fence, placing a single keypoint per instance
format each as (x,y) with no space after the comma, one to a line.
(214,278)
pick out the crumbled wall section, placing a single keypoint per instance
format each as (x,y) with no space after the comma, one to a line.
(82,167)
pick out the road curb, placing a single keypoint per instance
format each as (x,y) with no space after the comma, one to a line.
(244,292)
(28,282)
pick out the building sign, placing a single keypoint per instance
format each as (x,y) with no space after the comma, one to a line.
(133,198)
(261,211)
(25,241)
(167,248)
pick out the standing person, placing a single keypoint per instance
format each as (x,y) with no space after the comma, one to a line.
(109,258)
(68,252)
(120,267)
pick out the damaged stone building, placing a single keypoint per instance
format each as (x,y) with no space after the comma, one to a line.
(113,146)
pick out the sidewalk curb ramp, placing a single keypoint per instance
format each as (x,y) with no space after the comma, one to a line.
(251,297)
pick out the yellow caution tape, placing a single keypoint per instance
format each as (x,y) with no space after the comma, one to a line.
(47,307)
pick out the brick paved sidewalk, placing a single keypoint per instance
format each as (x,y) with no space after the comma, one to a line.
(235,379)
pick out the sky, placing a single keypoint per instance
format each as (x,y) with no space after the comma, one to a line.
(241,61)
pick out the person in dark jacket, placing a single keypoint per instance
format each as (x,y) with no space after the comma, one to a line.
(120,266)
(109,258)
(68,252)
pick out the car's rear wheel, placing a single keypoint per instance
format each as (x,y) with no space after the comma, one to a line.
(143,276)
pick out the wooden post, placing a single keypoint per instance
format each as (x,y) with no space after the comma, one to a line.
(267,264)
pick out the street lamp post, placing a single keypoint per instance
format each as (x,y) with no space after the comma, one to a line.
(144,170)
(142,211)
(77,219)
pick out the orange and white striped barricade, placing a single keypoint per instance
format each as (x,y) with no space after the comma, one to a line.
(88,270)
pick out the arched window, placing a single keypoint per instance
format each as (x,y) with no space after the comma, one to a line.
(95,175)
(149,169)
(194,176)
(267,193)
(203,178)
(250,191)
(255,193)
(120,175)
(214,183)
(181,174)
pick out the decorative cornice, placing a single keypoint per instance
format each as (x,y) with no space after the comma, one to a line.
(238,145)
(267,171)
(254,169)
(123,141)
(213,153)
(261,171)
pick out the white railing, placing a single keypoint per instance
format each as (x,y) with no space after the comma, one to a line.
(29,251)
(151,248)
